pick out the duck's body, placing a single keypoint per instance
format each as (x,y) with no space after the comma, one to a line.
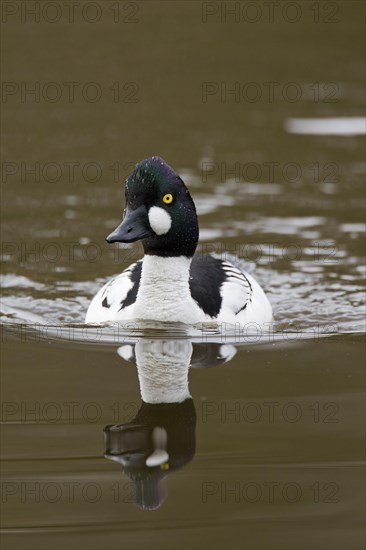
(177,290)
(171,283)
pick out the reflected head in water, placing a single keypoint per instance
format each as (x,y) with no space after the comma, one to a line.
(161,438)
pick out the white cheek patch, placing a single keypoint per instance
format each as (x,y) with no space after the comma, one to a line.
(160,221)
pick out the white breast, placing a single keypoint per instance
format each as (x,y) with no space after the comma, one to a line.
(164,293)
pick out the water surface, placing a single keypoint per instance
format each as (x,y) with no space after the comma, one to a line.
(267,449)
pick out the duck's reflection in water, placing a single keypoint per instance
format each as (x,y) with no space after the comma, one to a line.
(161,438)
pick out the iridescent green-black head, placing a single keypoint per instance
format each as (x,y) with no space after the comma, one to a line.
(159,211)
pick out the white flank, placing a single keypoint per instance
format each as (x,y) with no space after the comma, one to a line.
(115,291)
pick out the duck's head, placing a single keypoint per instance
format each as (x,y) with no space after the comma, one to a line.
(159,211)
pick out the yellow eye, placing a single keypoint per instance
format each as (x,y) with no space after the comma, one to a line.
(168,198)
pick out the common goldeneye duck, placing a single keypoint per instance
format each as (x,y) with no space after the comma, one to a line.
(171,283)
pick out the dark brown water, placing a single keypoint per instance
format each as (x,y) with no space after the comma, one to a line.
(269,452)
